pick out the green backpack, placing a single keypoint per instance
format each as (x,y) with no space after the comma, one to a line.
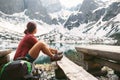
(16,70)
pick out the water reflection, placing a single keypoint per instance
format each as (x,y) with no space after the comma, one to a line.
(68,49)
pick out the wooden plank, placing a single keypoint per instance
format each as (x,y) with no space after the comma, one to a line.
(73,71)
(4,52)
(103,62)
(4,60)
(104,51)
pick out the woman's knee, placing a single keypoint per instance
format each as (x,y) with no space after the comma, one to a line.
(42,44)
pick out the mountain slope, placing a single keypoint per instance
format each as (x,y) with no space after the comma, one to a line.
(108,23)
(88,6)
(98,20)
(84,14)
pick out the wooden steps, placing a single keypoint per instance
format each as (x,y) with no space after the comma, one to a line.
(73,71)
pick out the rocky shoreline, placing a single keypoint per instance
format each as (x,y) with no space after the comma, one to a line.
(47,72)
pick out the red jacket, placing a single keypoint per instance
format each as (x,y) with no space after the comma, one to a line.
(25,45)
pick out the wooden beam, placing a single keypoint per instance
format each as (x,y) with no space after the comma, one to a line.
(102,51)
(4,52)
(4,57)
(73,71)
(112,65)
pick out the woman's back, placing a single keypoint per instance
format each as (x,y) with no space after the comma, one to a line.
(25,45)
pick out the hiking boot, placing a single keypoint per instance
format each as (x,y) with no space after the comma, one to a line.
(60,53)
(56,57)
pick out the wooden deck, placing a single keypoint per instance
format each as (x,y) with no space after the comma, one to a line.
(100,55)
(73,71)
(104,51)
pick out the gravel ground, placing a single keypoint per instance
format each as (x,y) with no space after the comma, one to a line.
(47,72)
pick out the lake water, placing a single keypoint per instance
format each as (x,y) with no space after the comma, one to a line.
(68,49)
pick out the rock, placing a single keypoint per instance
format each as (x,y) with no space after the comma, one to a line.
(112,11)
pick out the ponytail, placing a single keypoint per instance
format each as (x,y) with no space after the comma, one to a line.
(25,32)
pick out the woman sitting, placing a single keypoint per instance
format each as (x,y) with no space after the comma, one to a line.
(30,47)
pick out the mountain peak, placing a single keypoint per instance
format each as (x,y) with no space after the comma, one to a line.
(88,6)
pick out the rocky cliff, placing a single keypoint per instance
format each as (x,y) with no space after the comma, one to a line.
(12,6)
(84,14)
(34,9)
(92,12)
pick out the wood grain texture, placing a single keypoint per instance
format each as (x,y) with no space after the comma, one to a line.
(104,51)
(5,52)
(73,71)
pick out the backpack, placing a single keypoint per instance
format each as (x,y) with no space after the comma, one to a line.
(16,70)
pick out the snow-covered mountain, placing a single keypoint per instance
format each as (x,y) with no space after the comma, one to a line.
(88,6)
(61,16)
(100,21)
(84,15)
(34,9)
(93,24)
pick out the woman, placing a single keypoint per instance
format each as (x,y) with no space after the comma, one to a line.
(30,47)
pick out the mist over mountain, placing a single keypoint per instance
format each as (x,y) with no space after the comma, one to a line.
(88,6)
(75,8)
(52,5)
(35,10)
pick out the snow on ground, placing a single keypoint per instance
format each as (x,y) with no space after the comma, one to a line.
(18,28)
(117,18)
(64,14)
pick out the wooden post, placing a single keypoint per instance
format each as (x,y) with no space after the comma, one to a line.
(89,62)
(59,73)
